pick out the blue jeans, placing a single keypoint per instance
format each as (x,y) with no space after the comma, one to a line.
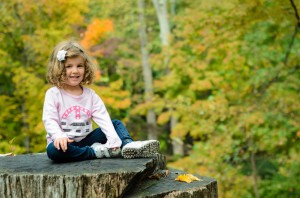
(78,151)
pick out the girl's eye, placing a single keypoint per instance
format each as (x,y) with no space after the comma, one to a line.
(80,65)
(68,66)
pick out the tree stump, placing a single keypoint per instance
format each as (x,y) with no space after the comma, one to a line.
(34,175)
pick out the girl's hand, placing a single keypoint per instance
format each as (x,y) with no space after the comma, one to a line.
(115,148)
(62,143)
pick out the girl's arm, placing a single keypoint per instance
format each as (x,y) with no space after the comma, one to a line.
(51,117)
(103,120)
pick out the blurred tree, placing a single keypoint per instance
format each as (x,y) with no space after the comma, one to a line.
(124,60)
(147,73)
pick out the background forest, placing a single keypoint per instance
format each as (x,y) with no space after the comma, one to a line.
(217,82)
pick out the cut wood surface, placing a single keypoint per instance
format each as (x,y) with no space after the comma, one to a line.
(34,175)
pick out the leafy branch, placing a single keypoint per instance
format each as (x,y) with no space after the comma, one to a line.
(261,89)
(295,32)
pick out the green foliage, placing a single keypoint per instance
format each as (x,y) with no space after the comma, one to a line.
(253,99)
(284,183)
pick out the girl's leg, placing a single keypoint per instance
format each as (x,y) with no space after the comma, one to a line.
(96,141)
(134,149)
(95,136)
(78,151)
(122,132)
(73,153)
(98,136)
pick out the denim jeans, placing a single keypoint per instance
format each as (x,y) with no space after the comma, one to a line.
(78,151)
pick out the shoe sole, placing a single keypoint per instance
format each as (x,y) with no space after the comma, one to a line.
(148,150)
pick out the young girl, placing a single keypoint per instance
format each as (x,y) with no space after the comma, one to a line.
(69,108)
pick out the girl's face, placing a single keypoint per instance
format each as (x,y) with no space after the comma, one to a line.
(74,71)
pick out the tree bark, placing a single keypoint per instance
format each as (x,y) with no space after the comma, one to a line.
(147,72)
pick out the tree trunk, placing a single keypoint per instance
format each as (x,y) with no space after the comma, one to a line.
(253,167)
(25,126)
(162,15)
(147,72)
(177,143)
(165,32)
(254,174)
(164,27)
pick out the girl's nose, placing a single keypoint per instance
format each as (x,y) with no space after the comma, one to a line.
(75,70)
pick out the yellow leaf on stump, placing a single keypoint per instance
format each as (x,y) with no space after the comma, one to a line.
(188,178)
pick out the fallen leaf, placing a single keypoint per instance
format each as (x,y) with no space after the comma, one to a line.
(188,178)
(193,177)
(159,174)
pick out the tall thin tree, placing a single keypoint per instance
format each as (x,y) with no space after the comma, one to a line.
(147,72)
(165,33)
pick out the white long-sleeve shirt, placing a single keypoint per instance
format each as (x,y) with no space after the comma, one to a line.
(66,115)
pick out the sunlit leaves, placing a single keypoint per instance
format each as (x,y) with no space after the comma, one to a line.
(96,31)
(116,100)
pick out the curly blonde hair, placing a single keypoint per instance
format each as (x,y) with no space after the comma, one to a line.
(56,69)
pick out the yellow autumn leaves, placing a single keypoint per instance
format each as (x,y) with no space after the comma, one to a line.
(188,178)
